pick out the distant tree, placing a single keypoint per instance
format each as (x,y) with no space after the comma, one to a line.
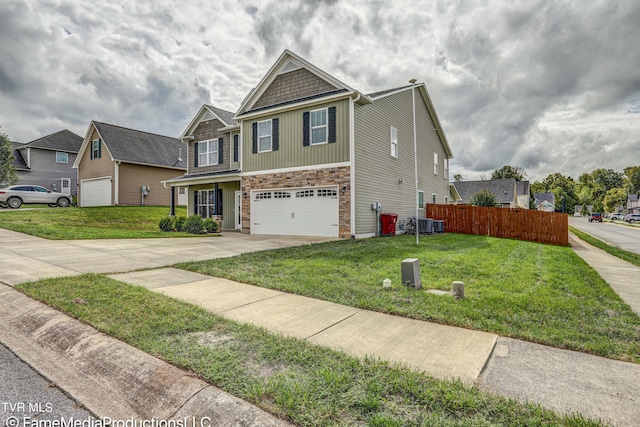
(614,198)
(509,172)
(564,187)
(8,174)
(484,198)
(457,177)
(632,179)
(608,178)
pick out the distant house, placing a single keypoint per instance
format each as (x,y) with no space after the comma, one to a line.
(509,192)
(545,201)
(48,161)
(633,206)
(115,163)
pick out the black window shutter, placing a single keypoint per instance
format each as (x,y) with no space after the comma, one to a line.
(195,155)
(305,129)
(332,124)
(254,138)
(220,151)
(235,148)
(195,202)
(99,148)
(91,150)
(274,135)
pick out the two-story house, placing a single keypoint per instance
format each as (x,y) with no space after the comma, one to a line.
(48,161)
(306,154)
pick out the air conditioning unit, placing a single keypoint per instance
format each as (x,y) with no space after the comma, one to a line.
(438,226)
(425,226)
(411,273)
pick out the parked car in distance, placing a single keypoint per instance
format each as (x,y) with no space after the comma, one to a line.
(15,196)
(632,218)
(617,216)
(595,216)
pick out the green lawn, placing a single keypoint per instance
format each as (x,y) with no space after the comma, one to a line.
(297,381)
(538,293)
(109,222)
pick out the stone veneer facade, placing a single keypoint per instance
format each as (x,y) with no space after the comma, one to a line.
(340,176)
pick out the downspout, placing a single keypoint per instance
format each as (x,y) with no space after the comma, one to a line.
(116,192)
(352,160)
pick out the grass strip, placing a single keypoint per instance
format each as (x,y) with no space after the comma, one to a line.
(297,381)
(617,252)
(534,292)
(106,222)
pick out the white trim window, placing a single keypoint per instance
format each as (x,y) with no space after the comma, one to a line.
(446,200)
(264,136)
(62,157)
(208,152)
(95,149)
(318,126)
(206,203)
(420,199)
(433,198)
(435,163)
(394,142)
(446,168)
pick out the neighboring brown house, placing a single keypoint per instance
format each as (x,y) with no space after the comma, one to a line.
(115,163)
(48,161)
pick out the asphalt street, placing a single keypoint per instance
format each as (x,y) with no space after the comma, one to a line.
(621,236)
(26,396)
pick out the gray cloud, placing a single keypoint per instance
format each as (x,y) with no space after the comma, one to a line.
(549,86)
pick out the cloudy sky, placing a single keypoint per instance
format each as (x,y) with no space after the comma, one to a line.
(550,86)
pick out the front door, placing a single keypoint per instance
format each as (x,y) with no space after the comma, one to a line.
(65,185)
(238,210)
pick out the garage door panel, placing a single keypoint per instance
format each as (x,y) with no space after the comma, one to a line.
(303,212)
(95,192)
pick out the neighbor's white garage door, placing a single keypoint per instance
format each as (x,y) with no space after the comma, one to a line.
(302,212)
(95,192)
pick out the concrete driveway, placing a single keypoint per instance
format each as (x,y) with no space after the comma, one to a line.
(25,258)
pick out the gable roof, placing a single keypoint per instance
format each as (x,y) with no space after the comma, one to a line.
(135,146)
(503,189)
(288,62)
(544,197)
(18,161)
(63,140)
(206,112)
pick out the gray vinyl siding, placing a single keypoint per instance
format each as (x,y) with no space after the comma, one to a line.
(46,172)
(291,152)
(377,174)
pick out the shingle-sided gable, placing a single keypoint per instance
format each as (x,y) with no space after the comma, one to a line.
(134,146)
(18,161)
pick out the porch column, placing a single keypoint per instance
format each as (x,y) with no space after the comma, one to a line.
(172,204)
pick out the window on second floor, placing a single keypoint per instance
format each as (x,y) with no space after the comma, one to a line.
(446,168)
(394,142)
(96,149)
(318,126)
(207,152)
(420,199)
(62,157)
(435,163)
(264,136)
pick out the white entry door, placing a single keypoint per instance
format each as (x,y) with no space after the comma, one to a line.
(65,185)
(307,211)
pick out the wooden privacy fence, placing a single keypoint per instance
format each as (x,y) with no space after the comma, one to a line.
(521,224)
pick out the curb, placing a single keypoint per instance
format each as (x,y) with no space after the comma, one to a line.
(110,378)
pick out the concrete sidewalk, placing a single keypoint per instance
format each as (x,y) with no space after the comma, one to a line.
(441,351)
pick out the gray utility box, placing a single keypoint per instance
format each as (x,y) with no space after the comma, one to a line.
(438,226)
(411,273)
(425,226)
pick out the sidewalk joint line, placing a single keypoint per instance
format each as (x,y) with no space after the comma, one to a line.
(331,326)
(252,302)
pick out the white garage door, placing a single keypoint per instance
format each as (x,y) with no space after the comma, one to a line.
(95,192)
(302,212)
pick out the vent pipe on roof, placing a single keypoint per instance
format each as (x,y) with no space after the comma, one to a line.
(180,154)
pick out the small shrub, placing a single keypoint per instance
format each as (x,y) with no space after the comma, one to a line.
(179,223)
(167,223)
(194,225)
(210,225)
